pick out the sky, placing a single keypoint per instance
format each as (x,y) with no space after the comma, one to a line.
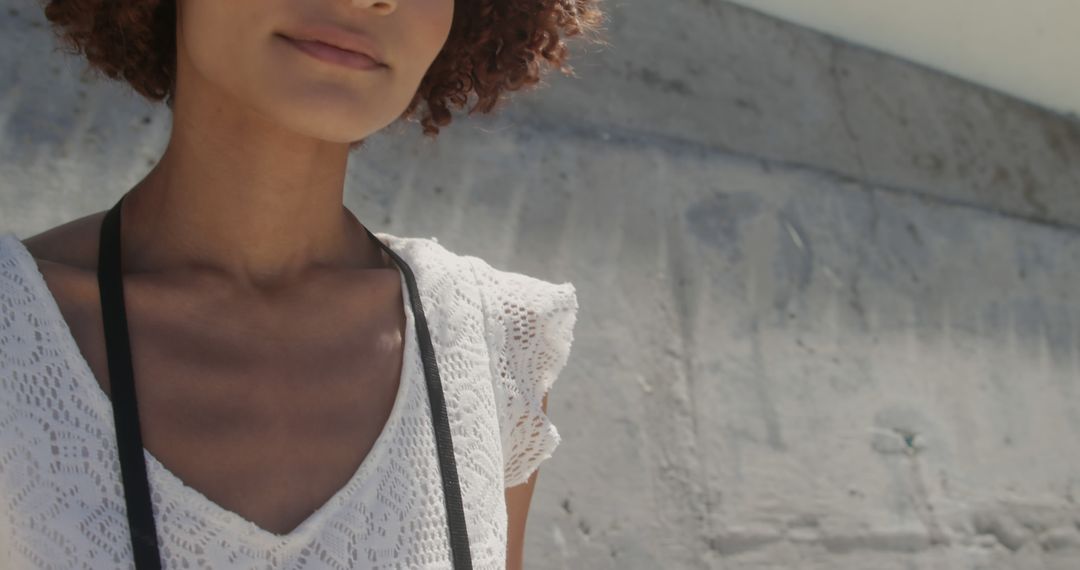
(1027,48)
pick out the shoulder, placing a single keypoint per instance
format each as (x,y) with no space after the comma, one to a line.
(512,303)
(500,280)
(424,250)
(496,282)
(522,300)
(72,244)
(59,263)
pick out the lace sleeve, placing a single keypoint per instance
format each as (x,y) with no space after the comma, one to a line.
(529,329)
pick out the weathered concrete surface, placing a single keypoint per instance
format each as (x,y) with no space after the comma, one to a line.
(798,346)
(732,79)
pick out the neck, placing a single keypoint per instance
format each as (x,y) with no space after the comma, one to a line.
(258,210)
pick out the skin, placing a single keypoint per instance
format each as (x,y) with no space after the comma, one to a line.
(518,499)
(246,279)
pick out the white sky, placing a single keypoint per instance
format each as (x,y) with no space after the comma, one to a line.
(1028,48)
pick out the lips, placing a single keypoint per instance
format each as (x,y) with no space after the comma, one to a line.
(332,54)
(336,37)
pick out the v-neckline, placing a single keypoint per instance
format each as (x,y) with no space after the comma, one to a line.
(180,491)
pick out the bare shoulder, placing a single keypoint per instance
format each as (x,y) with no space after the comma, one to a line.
(66,256)
(72,244)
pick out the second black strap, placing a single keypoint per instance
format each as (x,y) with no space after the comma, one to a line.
(140,512)
(455,514)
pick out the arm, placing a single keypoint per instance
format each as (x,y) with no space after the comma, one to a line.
(517,510)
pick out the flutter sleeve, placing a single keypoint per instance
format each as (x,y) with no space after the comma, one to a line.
(529,326)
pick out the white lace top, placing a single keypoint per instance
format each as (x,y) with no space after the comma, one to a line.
(500,340)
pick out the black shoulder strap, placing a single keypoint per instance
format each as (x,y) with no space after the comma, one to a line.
(459,536)
(125,411)
(122,387)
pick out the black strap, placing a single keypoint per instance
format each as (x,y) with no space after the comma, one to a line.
(125,411)
(459,536)
(122,386)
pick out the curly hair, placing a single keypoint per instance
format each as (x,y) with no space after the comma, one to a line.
(494,47)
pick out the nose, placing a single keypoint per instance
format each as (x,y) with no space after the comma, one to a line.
(382,6)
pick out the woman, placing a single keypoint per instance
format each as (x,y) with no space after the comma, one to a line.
(272,339)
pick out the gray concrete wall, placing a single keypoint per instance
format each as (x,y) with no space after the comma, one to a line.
(830,300)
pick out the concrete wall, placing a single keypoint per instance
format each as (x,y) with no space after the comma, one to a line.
(1018,48)
(830,300)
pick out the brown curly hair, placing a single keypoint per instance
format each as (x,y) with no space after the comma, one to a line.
(494,46)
